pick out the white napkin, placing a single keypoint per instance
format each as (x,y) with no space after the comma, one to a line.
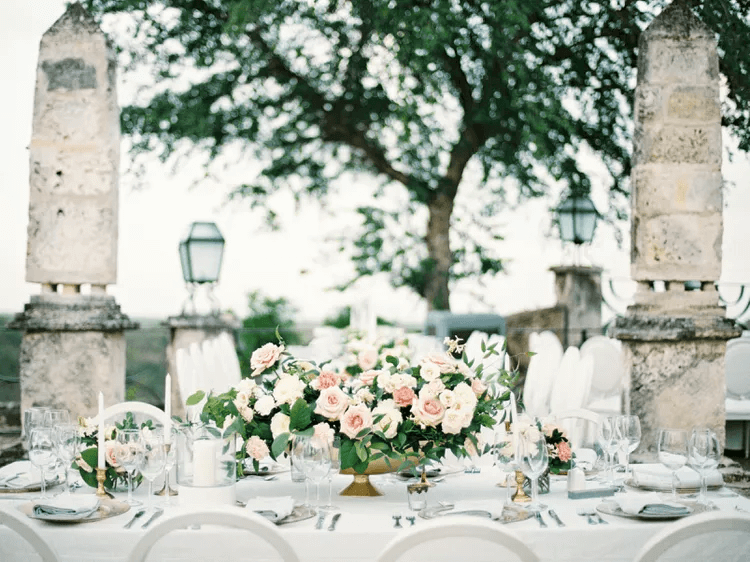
(649,504)
(657,476)
(66,507)
(494,508)
(22,473)
(273,508)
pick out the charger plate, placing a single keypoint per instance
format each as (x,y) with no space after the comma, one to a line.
(611,508)
(510,513)
(108,507)
(36,487)
(630,483)
(264,470)
(299,513)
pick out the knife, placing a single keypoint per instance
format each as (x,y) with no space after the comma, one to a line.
(156,514)
(538,516)
(332,526)
(554,516)
(321,519)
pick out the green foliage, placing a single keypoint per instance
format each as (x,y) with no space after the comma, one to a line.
(267,319)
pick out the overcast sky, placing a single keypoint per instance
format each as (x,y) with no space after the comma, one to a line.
(291,263)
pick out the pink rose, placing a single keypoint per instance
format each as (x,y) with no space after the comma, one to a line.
(428,411)
(478,387)
(369,376)
(367,358)
(331,403)
(404,396)
(256,448)
(563,451)
(111,453)
(355,419)
(327,379)
(443,360)
(263,357)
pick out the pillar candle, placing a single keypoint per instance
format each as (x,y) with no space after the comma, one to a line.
(204,463)
(168,409)
(100,435)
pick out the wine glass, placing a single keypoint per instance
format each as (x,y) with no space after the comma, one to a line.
(335,466)
(608,437)
(129,456)
(505,459)
(32,417)
(704,453)
(170,455)
(295,459)
(67,443)
(42,453)
(152,460)
(673,452)
(630,434)
(533,458)
(316,458)
(56,416)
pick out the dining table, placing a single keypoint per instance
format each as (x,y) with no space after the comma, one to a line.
(365,524)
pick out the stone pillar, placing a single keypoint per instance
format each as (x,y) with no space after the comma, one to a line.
(674,339)
(186,330)
(579,290)
(73,344)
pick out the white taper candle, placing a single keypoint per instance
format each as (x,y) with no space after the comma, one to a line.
(100,435)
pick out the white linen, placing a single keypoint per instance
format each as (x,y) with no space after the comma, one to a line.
(20,474)
(652,503)
(279,507)
(658,476)
(66,507)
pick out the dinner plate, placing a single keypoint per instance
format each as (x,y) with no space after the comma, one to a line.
(107,508)
(36,487)
(611,508)
(299,513)
(630,483)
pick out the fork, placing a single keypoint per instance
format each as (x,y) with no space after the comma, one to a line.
(587,513)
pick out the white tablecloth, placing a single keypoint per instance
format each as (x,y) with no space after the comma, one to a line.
(365,527)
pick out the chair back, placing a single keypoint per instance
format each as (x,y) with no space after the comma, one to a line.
(737,367)
(473,348)
(572,383)
(608,366)
(224,516)
(541,372)
(430,542)
(707,536)
(228,356)
(139,410)
(21,525)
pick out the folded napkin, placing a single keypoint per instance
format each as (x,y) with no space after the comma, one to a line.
(649,504)
(273,508)
(20,474)
(477,508)
(657,476)
(66,507)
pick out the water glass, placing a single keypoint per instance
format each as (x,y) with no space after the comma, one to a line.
(704,453)
(609,440)
(152,460)
(316,458)
(56,416)
(533,457)
(129,456)
(67,443)
(505,460)
(335,467)
(32,417)
(297,464)
(673,452)
(42,453)
(630,434)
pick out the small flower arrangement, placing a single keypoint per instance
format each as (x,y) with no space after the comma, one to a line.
(558,449)
(86,462)
(384,407)
(559,453)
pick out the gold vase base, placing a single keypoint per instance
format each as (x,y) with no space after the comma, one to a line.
(520,496)
(361,487)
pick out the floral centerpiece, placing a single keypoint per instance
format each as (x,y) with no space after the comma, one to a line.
(86,461)
(402,412)
(558,449)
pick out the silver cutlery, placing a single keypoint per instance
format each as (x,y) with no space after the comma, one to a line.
(589,514)
(397,519)
(137,514)
(600,520)
(539,518)
(319,522)
(156,514)
(553,514)
(334,520)
(411,520)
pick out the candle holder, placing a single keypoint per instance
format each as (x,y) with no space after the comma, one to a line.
(520,496)
(101,476)
(167,489)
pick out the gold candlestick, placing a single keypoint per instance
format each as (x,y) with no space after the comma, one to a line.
(520,496)
(101,476)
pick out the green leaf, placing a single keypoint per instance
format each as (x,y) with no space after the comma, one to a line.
(392,360)
(299,415)
(90,457)
(195,398)
(348,454)
(279,445)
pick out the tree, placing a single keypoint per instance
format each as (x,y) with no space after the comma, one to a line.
(413,92)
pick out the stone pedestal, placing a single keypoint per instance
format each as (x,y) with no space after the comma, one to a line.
(579,290)
(186,330)
(73,347)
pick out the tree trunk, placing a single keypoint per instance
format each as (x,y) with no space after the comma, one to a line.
(437,292)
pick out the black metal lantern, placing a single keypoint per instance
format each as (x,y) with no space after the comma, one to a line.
(201,252)
(576,218)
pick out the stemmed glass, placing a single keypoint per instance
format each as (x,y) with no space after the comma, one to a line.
(42,453)
(532,455)
(152,460)
(56,416)
(130,453)
(296,460)
(704,453)
(67,443)
(316,458)
(673,452)
(170,455)
(630,435)
(335,466)
(32,417)
(505,459)
(609,439)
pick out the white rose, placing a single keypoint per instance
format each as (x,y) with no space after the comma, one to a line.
(453,421)
(385,381)
(402,379)
(429,371)
(265,405)
(444,361)
(241,400)
(436,387)
(365,395)
(288,389)
(447,398)
(247,386)
(247,413)
(465,394)
(390,421)
(279,424)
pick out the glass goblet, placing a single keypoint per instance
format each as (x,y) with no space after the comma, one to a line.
(704,453)
(534,460)
(152,460)
(296,461)
(335,467)
(56,416)
(32,417)
(673,452)
(505,460)
(42,454)
(129,457)
(67,443)
(316,457)
(630,433)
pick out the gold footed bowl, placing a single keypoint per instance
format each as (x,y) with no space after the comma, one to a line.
(361,486)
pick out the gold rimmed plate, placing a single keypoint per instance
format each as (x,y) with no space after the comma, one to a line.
(299,513)
(107,508)
(612,508)
(630,483)
(35,487)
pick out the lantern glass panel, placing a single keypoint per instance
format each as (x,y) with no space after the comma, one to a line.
(205,260)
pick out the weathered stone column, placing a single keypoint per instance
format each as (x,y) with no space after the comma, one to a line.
(579,290)
(675,339)
(73,344)
(186,330)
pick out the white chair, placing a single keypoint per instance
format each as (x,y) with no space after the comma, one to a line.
(688,540)
(214,368)
(467,533)
(22,525)
(139,409)
(230,361)
(200,374)
(572,383)
(473,348)
(737,403)
(225,516)
(541,372)
(608,375)
(582,427)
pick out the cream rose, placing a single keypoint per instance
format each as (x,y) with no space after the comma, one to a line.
(265,405)
(288,389)
(246,413)
(447,398)
(453,421)
(444,361)
(385,381)
(264,357)
(112,453)
(402,379)
(324,432)
(428,411)
(256,448)
(355,419)
(331,403)
(364,395)
(247,386)
(429,371)
(465,395)
(390,421)
(367,358)
(279,424)
(369,376)
(478,387)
